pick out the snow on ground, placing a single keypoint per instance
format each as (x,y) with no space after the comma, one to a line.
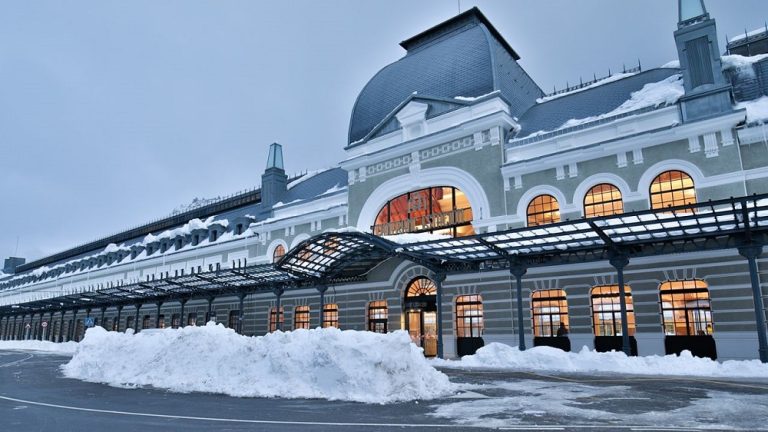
(35,345)
(547,359)
(319,363)
(757,110)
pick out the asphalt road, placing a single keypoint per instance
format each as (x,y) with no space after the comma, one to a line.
(35,397)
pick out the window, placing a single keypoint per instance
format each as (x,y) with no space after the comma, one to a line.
(146,323)
(214,235)
(543,210)
(549,309)
(210,316)
(234,316)
(192,319)
(239,229)
(685,308)
(469,316)
(606,310)
(301,318)
(603,200)
(672,188)
(377,316)
(331,315)
(421,286)
(175,321)
(179,243)
(278,253)
(273,318)
(440,209)
(129,322)
(161,321)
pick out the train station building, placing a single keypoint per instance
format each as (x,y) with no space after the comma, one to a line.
(625,213)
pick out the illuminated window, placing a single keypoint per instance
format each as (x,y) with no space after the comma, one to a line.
(603,200)
(273,318)
(233,318)
(192,319)
(278,253)
(377,316)
(606,310)
(672,188)
(161,321)
(549,309)
(331,315)
(543,210)
(441,209)
(685,308)
(210,316)
(301,318)
(469,316)
(175,321)
(421,286)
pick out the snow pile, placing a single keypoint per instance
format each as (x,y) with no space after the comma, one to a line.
(36,345)
(665,92)
(320,363)
(742,64)
(547,359)
(757,110)
(598,83)
(407,238)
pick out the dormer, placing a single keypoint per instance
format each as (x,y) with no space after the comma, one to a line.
(413,120)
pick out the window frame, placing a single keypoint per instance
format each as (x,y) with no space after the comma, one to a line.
(377,313)
(330,315)
(470,320)
(274,316)
(614,310)
(532,216)
(303,312)
(590,208)
(560,301)
(663,203)
(692,326)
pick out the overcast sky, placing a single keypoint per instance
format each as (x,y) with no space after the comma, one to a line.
(113,113)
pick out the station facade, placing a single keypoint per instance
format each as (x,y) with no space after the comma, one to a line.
(456,140)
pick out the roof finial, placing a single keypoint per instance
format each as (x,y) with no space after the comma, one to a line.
(275,159)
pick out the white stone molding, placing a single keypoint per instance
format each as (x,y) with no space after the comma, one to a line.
(693,144)
(559,172)
(413,119)
(299,238)
(596,179)
(726,138)
(637,156)
(530,194)
(621,159)
(573,170)
(670,164)
(273,246)
(710,145)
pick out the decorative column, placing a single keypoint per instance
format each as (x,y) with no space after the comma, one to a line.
(60,337)
(157,316)
(241,298)
(136,322)
(117,322)
(279,293)
(619,261)
(517,269)
(751,252)
(103,311)
(439,278)
(182,319)
(322,288)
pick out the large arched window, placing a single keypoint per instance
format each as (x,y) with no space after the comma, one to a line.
(603,200)
(301,318)
(672,188)
(606,310)
(278,253)
(543,210)
(378,313)
(469,316)
(331,315)
(685,308)
(273,318)
(421,286)
(549,309)
(441,210)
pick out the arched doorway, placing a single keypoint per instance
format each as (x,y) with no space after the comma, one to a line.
(420,306)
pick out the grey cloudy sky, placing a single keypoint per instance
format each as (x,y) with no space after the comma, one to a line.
(113,112)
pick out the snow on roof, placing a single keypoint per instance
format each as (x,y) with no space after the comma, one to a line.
(742,64)
(673,64)
(308,175)
(500,356)
(603,81)
(748,34)
(757,110)
(320,363)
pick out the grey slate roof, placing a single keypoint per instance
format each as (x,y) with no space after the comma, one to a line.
(550,115)
(317,185)
(462,57)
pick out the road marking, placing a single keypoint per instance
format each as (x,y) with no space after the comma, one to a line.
(633,379)
(15,362)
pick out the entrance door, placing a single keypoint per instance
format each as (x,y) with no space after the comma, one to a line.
(422,326)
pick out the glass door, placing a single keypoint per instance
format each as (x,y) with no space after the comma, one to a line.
(429,331)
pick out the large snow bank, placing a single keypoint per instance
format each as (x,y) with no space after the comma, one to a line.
(742,64)
(319,363)
(35,345)
(757,110)
(547,359)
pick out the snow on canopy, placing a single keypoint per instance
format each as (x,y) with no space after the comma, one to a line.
(320,363)
(757,110)
(501,356)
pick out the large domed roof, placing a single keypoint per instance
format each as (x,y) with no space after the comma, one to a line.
(464,56)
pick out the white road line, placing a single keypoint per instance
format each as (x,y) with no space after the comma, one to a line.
(15,362)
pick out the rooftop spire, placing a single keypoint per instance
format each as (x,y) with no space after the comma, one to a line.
(691,12)
(275,159)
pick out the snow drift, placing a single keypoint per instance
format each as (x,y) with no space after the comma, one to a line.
(67,348)
(319,363)
(547,359)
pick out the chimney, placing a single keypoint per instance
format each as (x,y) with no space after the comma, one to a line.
(707,92)
(11,263)
(274,181)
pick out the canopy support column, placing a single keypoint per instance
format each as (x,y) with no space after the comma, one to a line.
(50,330)
(619,261)
(322,288)
(210,309)
(73,328)
(517,269)
(60,337)
(136,321)
(241,298)
(278,293)
(117,320)
(751,252)
(182,320)
(439,278)
(157,316)
(103,324)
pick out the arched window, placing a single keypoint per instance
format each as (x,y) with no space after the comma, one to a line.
(603,200)
(543,210)
(606,310)
(549,308)
(301,318)
(234,317)
(146,322)
(278,253)
(672,188)
(378,313)
(331,315)
(469,316)
(421,286)
(441,209)
(273,318)
(685,308)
